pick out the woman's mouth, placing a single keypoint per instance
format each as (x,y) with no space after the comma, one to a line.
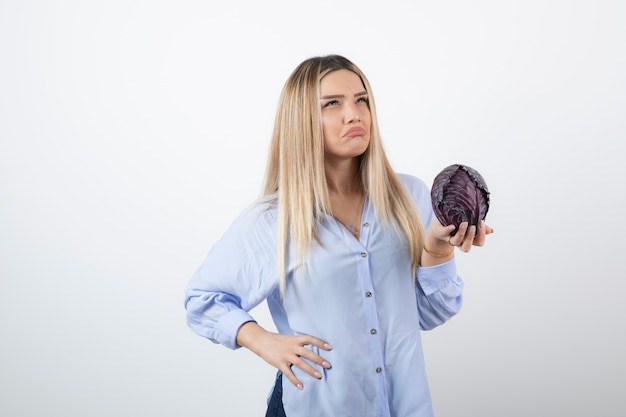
(355,131)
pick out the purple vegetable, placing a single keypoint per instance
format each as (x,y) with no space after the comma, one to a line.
(459,194)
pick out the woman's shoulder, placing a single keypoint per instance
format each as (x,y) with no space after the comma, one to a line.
(262,210)
(254,226)
(420,193)
(416,186)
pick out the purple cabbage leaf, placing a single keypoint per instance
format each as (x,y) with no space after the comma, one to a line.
(459,194)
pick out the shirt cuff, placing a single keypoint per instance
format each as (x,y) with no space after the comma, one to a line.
(228,327)
(435,278)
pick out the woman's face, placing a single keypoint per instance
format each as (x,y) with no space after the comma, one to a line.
(346,118)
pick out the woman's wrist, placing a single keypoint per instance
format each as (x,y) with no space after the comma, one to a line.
(434,254)
(248,333)
(438,248)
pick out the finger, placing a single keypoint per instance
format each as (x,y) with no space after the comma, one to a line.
(459,237)
(286,370)
(469,239)
(449,229)
(304,365)
(311,340)
(315,358)
(479,238)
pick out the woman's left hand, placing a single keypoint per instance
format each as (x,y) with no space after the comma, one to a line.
(466,237)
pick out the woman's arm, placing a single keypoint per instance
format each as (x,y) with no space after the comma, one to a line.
(239,273)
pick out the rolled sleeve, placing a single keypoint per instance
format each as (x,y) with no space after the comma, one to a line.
(435,278)
(439,293)
(228,326)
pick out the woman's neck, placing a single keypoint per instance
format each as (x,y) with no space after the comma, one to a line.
(343,179)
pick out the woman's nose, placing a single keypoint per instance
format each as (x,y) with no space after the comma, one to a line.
(353,117)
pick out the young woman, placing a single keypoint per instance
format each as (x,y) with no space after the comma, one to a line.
(348,255)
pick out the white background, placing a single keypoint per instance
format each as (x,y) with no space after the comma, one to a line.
(133,132)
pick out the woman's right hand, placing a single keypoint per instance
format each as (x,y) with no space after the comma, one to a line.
(283,351)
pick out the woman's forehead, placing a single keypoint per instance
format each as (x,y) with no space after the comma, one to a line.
(344,81)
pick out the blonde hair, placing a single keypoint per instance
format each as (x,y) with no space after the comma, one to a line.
(296,172)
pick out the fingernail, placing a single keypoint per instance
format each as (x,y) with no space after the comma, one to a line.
(481,224)
(300,387)
(317,374)
(327,346)
(326,364)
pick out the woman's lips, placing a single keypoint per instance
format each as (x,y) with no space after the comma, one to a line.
(355,131)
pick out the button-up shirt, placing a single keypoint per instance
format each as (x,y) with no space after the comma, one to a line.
(358,295)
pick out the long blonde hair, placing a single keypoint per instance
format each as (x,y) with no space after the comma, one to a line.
(296,172)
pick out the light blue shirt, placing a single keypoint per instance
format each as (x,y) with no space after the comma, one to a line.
(358,295)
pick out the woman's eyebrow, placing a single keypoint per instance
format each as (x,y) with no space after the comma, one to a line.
(334,96)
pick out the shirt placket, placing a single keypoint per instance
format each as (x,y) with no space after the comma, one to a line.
(375,344)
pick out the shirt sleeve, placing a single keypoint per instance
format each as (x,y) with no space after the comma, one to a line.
(439,294)
(237,274)
(439,289)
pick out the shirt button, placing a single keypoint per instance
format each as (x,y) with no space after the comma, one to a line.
(373,331)
(366,225)
(363,255)
(368,294)
(379,370)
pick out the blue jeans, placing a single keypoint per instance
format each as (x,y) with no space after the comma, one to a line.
(275,404)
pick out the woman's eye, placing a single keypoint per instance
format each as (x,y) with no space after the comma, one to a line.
(362,100)
(331,103)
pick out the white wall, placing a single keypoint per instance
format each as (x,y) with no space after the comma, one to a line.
(132,132)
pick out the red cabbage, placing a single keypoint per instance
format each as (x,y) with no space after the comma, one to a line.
(459,194)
